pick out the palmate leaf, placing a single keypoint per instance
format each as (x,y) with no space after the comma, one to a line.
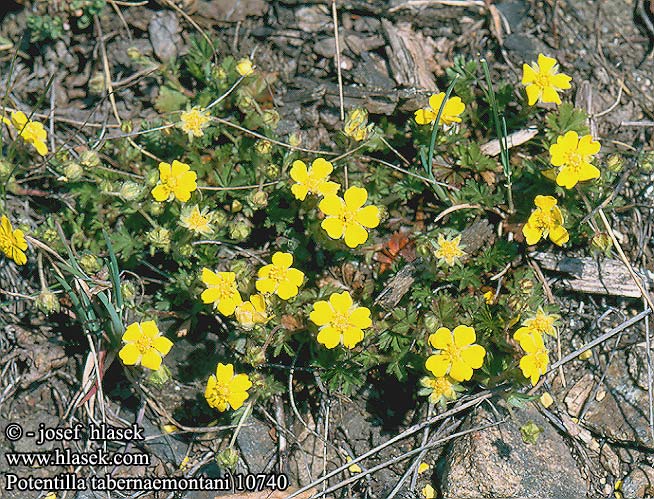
(566,118)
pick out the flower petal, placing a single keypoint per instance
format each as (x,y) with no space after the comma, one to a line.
(368,216)
(352,336)
(473,356)
(437,364)
(360,318)
(355,235)
(424,116)
(334,227)
(355,197)
(151,359)
(463,335)
(341,302)
(132,333)
(299,171)
(129,354)
(460,371)
(441,339)
(567,177)
(282,260)
(532,233)
(329,337)
(286,290)
(588,172)
(321,168)
(162,344)
(558,235)
(322,313)
(533,93)
(331,205)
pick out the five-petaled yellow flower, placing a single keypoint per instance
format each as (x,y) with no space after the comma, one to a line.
(176,181)
(449,250)
(534,362)
(573,155)
(440,389)
(227,390)
(543,81)
(30,131)
(144,345)
(251,312)
(221,291)
(428,492)
(458,353)
(315,180)
(196,220)
(451,111)
(540,323)
(546,220)
(348,217)
(12,241)
(244,67)
(194,121)
(279,278)
(356,125)
(340,320)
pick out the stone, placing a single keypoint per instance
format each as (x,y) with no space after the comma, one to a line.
(639,483)
(164,35)
(496,462)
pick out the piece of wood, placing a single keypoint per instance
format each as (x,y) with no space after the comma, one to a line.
(588,275)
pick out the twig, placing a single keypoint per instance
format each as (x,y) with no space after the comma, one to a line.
(338,60)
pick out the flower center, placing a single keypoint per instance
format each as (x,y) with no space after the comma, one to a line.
(449,250)
(573,159)
(278,274)
(144,344)
(197,220)
(341,321)
(544,220)
(171,182)
(220,394)
(452,352)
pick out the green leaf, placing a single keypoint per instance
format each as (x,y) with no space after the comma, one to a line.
(169,100)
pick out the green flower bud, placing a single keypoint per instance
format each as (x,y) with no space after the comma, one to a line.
(423,248)
(647,161)
(218,219)
(73,171)
(90,159)
(615,163)
(240,231)
(218,74)
(50,236)
(5,169)
(270,118)
(185,250)
(236,206)
(432,323)
(601,243)
(227,458)
(159,238)
(106,185)
(242,269)
(90,263)
(128,290)
(160,377)
(254,355)
(263,147)
(130,191)
(273,171)
(155,208)
(258,199)
(127,126)
(48,302)
(245,103)
(295,139)
(530,432)
(133,53)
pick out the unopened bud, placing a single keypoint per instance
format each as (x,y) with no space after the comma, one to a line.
(48,302)
(130,191)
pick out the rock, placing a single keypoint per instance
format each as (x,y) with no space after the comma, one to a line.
(639,483)
(313,18)
(496,462)
(232,10)
(164,35)
(622,414)
(256,444)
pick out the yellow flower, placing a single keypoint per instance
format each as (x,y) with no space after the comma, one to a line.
(534,363)
(458,354)
(353,468)
(347,217)
(196,221)
(356,125)
(315,180)
(540,323)
(144,345)
(428,492)
(12,241)
(449,250)
(194,121)
(244,67)
(221,291)
(489,296)
(546,399)
(423,467)
(225,389)
(31,132)
(440,389)
(340,320)
(176,181)
(451,111)
(546,220)
(279,278)
(251,312)
(573,155)
(543,81)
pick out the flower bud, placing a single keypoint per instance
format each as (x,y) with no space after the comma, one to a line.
(133,53)
(254,355)
(90,159)
(647,161)
(96,83)
(432,323)
(160,377)
(218,74)
(227,458)
(245,103)
(128,290)
(48,302)
(240,231)
(185,250)
(273,171)
(263,146)
(295,139)
(127,126)
(270,118)
(601,243)
(73,171)
(159,238)
(155,208)
(244,67)
(258,199)
(615,163)
(130,191)
(356,125)
(218,219)
(90,263)
(236,206)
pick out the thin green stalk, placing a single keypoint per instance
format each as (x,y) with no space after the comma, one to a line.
(434,130)
(500,131)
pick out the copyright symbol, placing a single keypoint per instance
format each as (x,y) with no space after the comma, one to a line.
(13,432)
